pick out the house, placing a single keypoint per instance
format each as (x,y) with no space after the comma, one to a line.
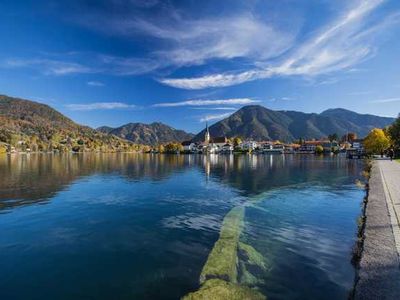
(271,147)
(291,148)
(358,144)
(330,146)
(188,146)
(219,141)
(308,147)
(227,148)
(248,145)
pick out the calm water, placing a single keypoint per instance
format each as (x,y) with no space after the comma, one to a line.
(130,226)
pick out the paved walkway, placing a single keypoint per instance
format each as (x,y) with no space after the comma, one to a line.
(379,274)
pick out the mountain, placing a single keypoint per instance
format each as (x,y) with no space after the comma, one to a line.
(259,123)
(148,134)
(35,125)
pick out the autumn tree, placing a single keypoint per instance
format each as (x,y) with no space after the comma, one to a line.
(161,148)
(376,141)
(350,137)
(237,141)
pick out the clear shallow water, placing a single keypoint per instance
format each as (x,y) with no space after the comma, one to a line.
(126,226)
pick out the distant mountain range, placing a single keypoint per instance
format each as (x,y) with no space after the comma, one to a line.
(259,123)
(32,121)
(148,134)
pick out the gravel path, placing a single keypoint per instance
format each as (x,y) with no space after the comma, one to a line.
(379,274)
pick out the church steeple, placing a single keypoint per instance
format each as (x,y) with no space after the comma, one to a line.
(207,135)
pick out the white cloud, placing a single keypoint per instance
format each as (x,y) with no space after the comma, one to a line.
(50,67)
(197,41)
(200,102)
(214,108)
(94,63)
(95,83)
(386,100)
(100,106)
(346,42)
(214,117)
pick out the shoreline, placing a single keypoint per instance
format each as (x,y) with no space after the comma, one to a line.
(378,269)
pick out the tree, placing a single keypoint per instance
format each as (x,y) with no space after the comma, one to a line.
(237,141)
(173,148)
(333,137)
(376,141)
(160,148)
(350,137)
(394,133)
(319,149)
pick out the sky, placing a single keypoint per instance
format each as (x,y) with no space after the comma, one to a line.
(184,63)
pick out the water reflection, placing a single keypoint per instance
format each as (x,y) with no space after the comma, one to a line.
(34,178)
(132,226)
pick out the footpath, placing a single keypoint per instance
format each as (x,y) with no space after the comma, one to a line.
(379,273)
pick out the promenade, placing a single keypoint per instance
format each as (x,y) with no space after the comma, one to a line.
(379,273)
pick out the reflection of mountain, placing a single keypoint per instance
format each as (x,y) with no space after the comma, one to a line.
(255,174)
(34,178)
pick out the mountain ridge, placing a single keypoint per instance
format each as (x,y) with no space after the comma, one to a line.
(260,123)
(148,134)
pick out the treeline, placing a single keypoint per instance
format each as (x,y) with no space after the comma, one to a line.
(380,140)
(68,141)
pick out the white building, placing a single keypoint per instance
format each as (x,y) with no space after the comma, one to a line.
(248,145)
(188,146)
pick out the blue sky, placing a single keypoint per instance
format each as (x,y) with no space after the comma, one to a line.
(185,62)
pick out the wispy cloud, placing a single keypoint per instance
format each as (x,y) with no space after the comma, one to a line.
(95,83)
(214,117)
(49,66)
(200,102)
(100,106)
(344,43)
(214,108)
(281,99)
(360,93)
(93,63)
(386,100)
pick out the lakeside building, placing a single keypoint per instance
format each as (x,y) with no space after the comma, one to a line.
(224,145)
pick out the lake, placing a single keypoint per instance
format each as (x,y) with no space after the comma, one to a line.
(142,226)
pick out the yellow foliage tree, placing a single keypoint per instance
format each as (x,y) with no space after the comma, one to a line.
(376,141)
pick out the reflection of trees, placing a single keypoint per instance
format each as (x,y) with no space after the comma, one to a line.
(27,179)
(34,178)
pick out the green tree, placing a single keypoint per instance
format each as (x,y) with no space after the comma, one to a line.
(394,133)
(333,137)
(376,141)
(319,149)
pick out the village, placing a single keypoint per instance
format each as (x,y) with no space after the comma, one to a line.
(353,147)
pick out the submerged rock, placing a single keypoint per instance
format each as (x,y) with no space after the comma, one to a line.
(253,257)
(222,261)
(217,289)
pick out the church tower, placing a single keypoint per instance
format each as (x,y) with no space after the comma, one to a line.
(207,135)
